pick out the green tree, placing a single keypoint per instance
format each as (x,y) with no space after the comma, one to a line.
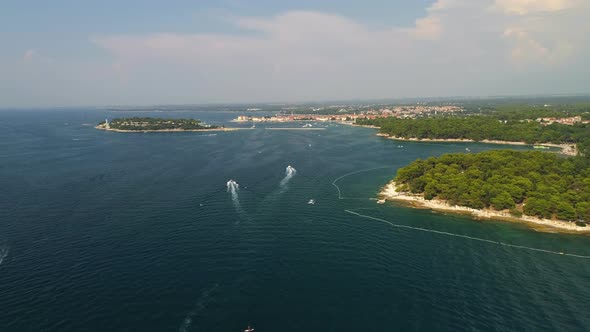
(538,207)
(583,211)
(502,201)
(565,211)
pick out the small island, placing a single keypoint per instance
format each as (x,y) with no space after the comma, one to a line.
(532,186)
(145,124)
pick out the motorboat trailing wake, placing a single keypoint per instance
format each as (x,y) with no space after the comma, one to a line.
(290,172)
(233,188)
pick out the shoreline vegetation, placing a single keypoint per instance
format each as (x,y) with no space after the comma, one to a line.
(540,189)
(102,127)
(151,125)
(566,149)
(573,139)
(390,192)
(530,186)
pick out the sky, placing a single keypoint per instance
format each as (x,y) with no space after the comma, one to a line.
(96,53)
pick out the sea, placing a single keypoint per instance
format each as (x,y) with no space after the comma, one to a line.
(107,231)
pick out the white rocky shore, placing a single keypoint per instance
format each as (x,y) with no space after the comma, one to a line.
(389,192)
(566,149)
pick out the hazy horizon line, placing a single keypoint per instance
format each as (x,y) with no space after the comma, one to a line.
(314,102)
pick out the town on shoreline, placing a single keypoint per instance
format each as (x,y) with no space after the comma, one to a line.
(350,116)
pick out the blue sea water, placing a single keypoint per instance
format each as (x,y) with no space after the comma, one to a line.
(104,231)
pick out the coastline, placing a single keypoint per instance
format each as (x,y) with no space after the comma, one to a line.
(296,128)
(389,192)
(167,130)
(363,126)
(566,149)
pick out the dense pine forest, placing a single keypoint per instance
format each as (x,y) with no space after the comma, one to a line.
(534,183)
(484,127)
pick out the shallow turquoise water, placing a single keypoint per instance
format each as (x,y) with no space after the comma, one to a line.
(110,231)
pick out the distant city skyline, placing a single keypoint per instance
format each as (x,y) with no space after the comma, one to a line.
(68,53)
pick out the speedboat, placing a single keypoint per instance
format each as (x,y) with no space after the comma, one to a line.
(311,201)
(249,329)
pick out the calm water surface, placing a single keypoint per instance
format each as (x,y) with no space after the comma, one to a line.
(103,231)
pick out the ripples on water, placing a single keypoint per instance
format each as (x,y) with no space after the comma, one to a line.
(137,231)
(468,237)
(200,306)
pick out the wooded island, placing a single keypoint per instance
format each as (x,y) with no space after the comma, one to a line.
(146,124)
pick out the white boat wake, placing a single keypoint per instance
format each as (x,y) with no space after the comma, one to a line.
(290,172)
(233,188)
(200,305)
(3,253)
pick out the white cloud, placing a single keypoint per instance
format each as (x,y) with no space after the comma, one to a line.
(526,48)
(523,7)
(429,28)
(443,4)
(308,55)
(530,50)
(29,54)
(459,47)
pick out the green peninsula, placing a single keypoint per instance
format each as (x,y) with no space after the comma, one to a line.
(487,129)
(146,124)
(531,186)
(531,183)
(534,187)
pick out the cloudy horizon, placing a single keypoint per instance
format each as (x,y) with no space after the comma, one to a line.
(230,52)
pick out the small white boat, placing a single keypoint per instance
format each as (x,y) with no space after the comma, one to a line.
(381,201)
(249,329)
(311,201)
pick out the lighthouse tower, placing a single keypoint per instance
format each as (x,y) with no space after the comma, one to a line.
(106,123)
